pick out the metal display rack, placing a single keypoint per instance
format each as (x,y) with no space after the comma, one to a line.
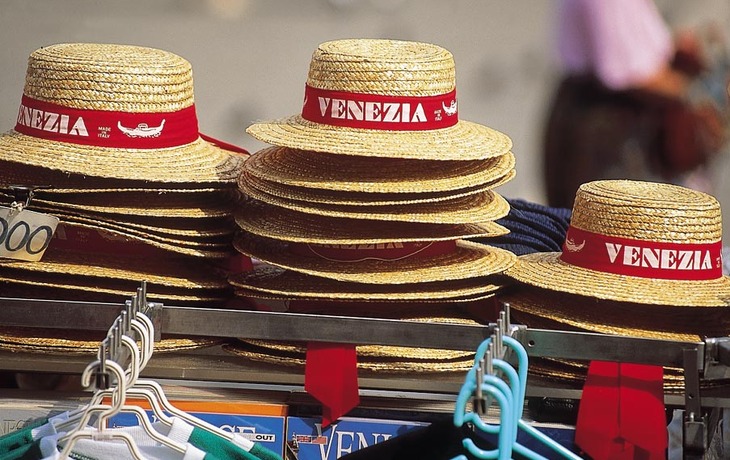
(702,361)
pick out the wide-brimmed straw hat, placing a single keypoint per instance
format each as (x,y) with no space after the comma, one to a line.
(347,173)
(311,195)
(387,263)
(640,242)
(486,206)
(269,282)
(529,305)
(383,98)
(284,224)
(114,111)
(72,342)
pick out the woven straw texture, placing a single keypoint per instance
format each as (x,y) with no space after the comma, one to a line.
(618,318)
(118,78)
(386,67)
(60,182)
(641,211)
(284,191)
(347,173)
(265,280)
(76,287)
(475,208)
(213,250)
(174,272)
(469,260)
(53,341)
(124,204)
(284,224)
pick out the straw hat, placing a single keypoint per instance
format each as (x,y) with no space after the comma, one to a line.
(123,205)
(640,242)
(178,272)
(616,318)
(283,224)
(114,111)
(383,98)
(215,248)
(478,207)
(80,288)
(285,191)
(375,358)
(408,262)
(269,282)
(62,182)
(347,173)
(54,341)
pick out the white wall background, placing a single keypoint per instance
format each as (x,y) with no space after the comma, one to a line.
(250,57)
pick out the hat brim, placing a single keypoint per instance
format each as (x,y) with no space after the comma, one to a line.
(66,342)
(173,244)
(59,182)
(178,272)
(265,280)
(199,161)
(165,205)
(468,260)
(288,225)
(347,173)
(464,141)
(247,182)
(547,271)
(616,318)
(479,207)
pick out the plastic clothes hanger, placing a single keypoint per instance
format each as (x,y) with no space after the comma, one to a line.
(82,432)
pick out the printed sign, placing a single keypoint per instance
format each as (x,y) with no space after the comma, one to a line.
(25,235)
(268,431)
(344,436)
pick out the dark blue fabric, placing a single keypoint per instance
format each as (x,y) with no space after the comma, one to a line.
(533,228)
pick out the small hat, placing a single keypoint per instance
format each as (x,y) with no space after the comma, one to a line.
(640,242)
(383,98)
(114,111)
(367,174)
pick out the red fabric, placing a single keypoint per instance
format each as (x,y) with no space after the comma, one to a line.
(224,145)
(106,128)
(377,111)
(330,376)
(646,259)
(621,414)
(380,251)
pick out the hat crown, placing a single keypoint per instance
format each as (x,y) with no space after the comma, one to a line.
(386,67)
(122,78)
(647,211)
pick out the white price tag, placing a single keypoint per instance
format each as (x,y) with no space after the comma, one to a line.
(25,235)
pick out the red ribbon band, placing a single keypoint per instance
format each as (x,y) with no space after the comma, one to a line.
(376,111)
(640,258)
(105,128)
(378,251)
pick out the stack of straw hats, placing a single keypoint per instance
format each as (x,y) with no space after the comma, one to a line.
(110,134)
(372,193)
(640,259)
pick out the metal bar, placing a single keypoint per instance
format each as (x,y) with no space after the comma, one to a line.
(323,328)
(589,346)
(58,314)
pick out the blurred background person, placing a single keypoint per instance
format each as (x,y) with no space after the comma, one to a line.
(634,102)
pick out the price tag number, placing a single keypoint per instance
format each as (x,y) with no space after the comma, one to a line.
(25,235)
